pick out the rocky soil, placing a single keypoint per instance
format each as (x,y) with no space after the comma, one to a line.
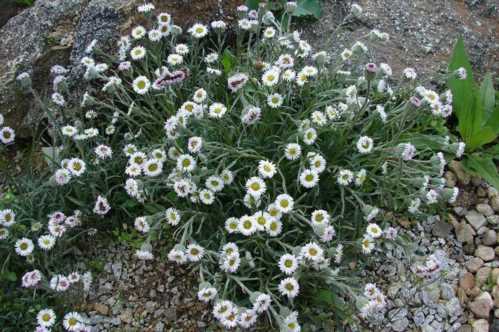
(134,295)
(422,32)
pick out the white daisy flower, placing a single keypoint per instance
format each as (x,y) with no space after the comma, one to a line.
(274,227)
(175,59)
(138,32)
(186,163)
(289,287)
(293,151)
(317,163)
(274,212)
(142,225)
(367,245)
(198,30)
(269,33)
(172,216)
(103,151)
(231,263)
(221,309)
(194,253)
(232,225)
(141,85)
(284,203)
(211,58)
(69,131)
(207,294)
(76,166)
(73,321)
(320,217)
(164,19)
(154,35)
(289,75)
(176,255)
(207,196)
(138,53)
(247,225)
(46,242)
(227,176)
(274,100)
(309,136)
(46,317)
(271,77)
(262,303)
(255,186)
(313,252)
(309,178)
(7,135)
(374,231)
(266,169)
(365,145)
(291,323)
(200,95)
(288,264)
(262,219)
(217,110)
(214,183)
(7,217)
(4,233)
(345,177)
(153,167)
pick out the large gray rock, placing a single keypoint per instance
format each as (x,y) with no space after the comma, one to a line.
(58,32)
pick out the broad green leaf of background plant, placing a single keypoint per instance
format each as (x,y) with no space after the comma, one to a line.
(473,107)
(228,61)
(488,98)
(308,7)
(485,167)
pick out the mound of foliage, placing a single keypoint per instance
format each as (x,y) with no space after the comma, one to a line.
(272,166)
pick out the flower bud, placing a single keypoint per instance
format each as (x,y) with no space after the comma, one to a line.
(371,70)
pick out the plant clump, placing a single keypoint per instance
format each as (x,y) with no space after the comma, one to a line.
(271,165)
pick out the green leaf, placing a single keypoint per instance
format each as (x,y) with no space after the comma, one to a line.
(484,167)
(488,95)
(463,91)
(308,8)
(228,61)
(252,4)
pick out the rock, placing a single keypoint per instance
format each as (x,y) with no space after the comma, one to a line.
(482,305)
(465,328)
(467,281)
(474,264)
(485,209)
(400,325)
(58,31)
(476,219)
(465,233)
(496,315)
(480,325)
(441,228)
(102,309)
(495,275)
(453,307)
(485,253)
(494,203)
(418,318)
(160,327)
(495,295)
(450,179)
(482,275)
(459,171)
(489,237)
(494,220)
(447,291)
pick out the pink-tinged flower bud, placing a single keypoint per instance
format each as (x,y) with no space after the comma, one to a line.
(415,101)
(371,70)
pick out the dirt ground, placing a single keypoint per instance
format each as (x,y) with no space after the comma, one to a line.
(422,32)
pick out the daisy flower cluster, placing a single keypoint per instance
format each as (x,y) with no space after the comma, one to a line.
(263,158)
